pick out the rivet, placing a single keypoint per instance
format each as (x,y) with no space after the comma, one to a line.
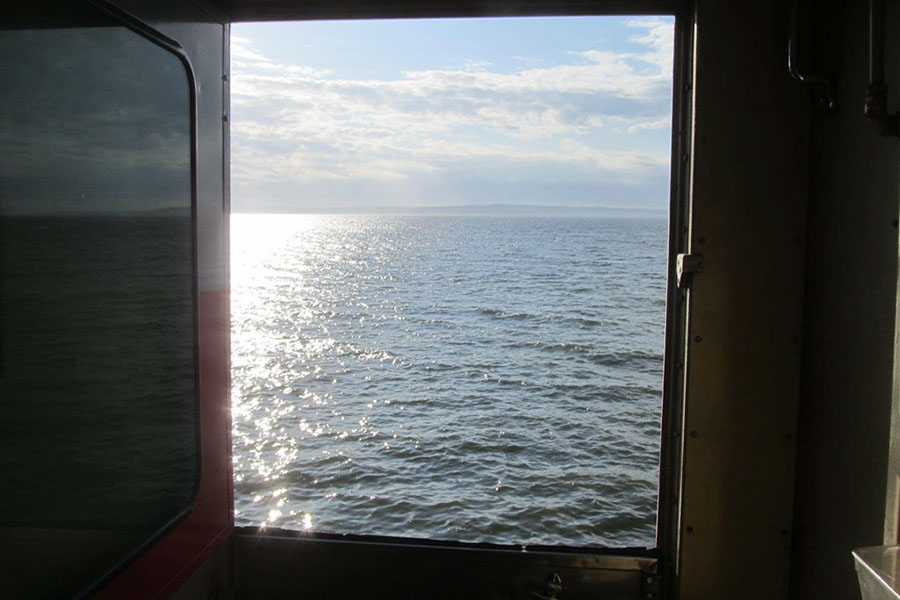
(689,529)
(694,434)
(698,339)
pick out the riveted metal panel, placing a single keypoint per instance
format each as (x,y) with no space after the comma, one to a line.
(748,221)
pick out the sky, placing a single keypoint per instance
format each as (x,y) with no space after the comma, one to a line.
(340,115)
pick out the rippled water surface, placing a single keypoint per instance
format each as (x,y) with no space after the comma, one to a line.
(473,379)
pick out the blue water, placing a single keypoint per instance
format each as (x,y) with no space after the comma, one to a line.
(472,379)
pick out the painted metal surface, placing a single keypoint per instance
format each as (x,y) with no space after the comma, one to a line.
(843,471)
(285,10)
(748,221)
(274,564)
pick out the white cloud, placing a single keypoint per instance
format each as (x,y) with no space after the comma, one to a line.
(661,123)
(241,51)
(660,37)
(297,123)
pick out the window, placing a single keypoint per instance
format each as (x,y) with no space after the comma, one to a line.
(448,310)
(98,394)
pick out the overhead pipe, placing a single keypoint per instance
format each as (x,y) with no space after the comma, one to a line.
(828,98)
(877,91)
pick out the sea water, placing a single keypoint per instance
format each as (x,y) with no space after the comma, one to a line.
(461,378)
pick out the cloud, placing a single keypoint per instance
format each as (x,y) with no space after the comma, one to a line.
(241,52)
(295,124)
(661,123)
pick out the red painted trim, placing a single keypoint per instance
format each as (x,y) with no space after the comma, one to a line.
(167,564)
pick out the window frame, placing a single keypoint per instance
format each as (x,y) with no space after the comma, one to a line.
(663,558)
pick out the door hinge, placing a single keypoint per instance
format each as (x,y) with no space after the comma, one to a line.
(685,267)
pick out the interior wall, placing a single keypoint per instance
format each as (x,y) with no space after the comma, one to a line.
(850,299)
(748,220)
(211,580)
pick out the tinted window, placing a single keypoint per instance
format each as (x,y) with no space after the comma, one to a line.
(98,428)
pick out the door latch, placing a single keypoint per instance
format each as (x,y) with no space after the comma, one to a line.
(685,267)
(551,590)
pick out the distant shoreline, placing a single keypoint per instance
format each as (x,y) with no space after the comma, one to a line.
(488,210)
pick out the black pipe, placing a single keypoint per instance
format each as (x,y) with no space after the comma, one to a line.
(877,91)
(828,99)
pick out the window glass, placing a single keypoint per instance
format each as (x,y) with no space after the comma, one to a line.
(98,414)
(449,255)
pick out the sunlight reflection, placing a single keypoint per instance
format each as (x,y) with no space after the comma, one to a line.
(342,408)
